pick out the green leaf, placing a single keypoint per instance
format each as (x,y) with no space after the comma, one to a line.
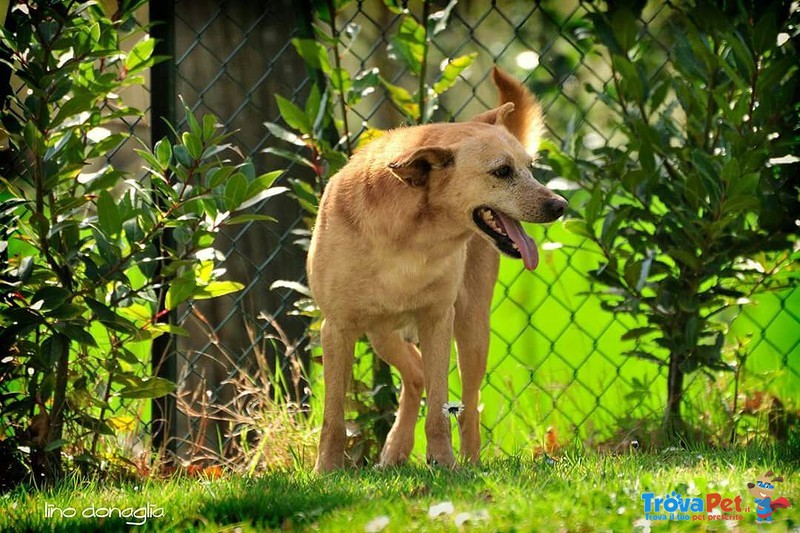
(579,227)
(632,269)
(183,156)
(625,27)
(293,115)
(745,185)
(180,290)
(742,55)
(79,335)
(235,191)
(685,257)
(395,6)
(305,194)
(215,149)
(740,205)
(53,348)
(263,182)
(217,176)
(250,217)
(51,296)
(101,310)
(218,288)
(451,72)
(340,81)
(313,53)
(108,214)
(261,196)
(79,103)
(609,232)
(209,126)
(291,156)
(153,387)
(775,73)
(631,84)
(193,144)
(55,444)
(364,84)
(765,34)
(168,328)
(403,99)
(163,152)
(636,333)
(646,356)
(313,105)
(285,135)
(408,44)
(248,169)
(148,157)
(140,56)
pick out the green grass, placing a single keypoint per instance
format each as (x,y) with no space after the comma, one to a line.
(581,491)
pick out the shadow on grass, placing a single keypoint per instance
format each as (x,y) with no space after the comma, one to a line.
(279,500)
(286,499)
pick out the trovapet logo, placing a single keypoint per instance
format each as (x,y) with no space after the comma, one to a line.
(715,506)
(675,507)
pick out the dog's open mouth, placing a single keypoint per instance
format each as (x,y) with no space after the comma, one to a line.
(508,235)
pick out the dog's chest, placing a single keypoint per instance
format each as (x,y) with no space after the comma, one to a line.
(405,282)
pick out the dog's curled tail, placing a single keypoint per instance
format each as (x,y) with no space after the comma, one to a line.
(525,122)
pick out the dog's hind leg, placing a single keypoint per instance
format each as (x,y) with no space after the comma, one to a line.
(471,331)
(337,364)
(405,357)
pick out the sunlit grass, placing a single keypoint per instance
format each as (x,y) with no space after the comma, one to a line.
(580,491)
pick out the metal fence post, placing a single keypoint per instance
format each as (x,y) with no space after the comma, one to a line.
(162,113)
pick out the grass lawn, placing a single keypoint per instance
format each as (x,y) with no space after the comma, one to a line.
(581,491)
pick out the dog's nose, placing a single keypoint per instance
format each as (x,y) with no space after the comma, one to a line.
(555,207)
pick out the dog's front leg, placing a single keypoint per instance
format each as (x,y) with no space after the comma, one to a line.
(337,363)
(472,344)
(435,333)
(472,330)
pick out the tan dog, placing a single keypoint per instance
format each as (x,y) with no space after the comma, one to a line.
(407,235)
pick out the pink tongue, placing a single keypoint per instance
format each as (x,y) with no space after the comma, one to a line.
(527,246)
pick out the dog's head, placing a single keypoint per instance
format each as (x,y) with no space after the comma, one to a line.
(481,170)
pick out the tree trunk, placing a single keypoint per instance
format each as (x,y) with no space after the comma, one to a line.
(673,423)
(51,459)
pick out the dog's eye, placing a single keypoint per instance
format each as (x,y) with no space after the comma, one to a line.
(504,171)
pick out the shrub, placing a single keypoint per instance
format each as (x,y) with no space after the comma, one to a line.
(87,273)
(692,202)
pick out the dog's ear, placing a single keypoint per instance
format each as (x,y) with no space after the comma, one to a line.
(751,485)
(414,167)
(768,474)
(496,116)
(778,479)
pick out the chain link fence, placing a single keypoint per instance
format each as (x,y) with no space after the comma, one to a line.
(556,368)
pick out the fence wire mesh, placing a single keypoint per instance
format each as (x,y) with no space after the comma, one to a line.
(556,363)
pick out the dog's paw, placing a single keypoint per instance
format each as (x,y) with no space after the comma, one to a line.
(394,455)
(442,460)
(398,446)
